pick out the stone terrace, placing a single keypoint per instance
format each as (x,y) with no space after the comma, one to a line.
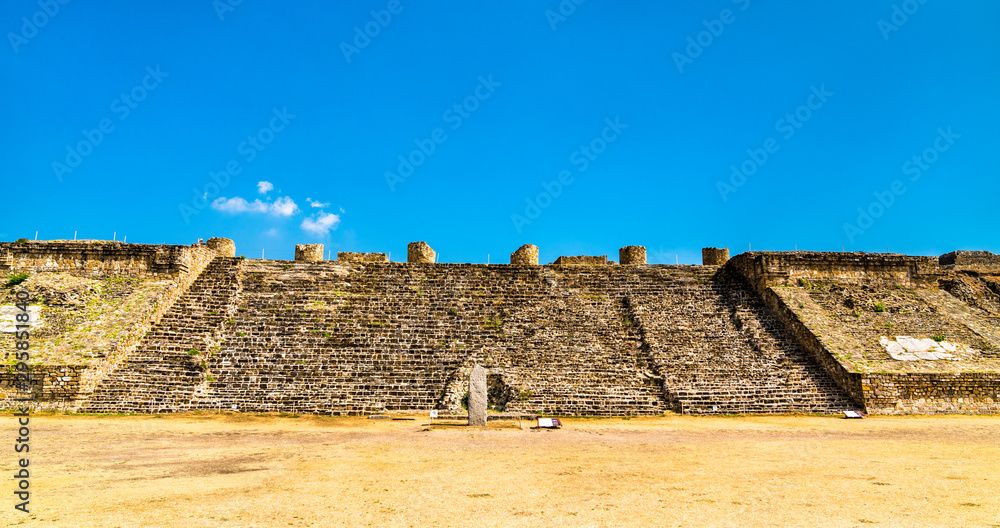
(715,345)
(167,370)
(358,338)
(362,338)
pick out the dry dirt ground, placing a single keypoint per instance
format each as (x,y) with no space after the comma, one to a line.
(237,470)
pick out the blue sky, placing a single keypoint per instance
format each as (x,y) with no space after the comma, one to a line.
(578,128)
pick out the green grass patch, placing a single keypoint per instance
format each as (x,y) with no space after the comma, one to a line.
(17,278)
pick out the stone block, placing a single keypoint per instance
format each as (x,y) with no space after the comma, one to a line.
(970,260)
(223,246)
(309,252)
(419,253)
(712,256)
(526,255)
(632,256)
(477,397)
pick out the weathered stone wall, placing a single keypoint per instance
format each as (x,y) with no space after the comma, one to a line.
(848,381)
(966,392)
(526,255)
(970,260)
(768,268)
(62,386)
(712,256)
(360,337)
(167,371)
(346,256)
(348,338)
(309,252)
(99,257)
(632,256)
(582,260)
(52,387)
(419,253)
(879,392)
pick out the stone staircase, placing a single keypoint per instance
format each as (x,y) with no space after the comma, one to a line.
(574,351)
(720,351)
(364,338)
(360,338)
(163,374)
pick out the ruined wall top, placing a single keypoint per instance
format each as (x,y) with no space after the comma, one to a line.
(785,268)
(582,260)
(347,256)
(712,256)
(419,253)
(225,247)
(970,260)
(309,252)
(526,255)
(632,256)
(102,257)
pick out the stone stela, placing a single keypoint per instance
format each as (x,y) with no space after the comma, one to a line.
(477,397)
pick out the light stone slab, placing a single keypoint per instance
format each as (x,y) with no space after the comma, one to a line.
(477,397)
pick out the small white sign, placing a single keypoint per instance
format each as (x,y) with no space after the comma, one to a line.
(434,414)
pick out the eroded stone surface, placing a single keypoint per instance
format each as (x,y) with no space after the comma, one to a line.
(347,256)
(632,256)
(309,252)
(526,255)
(419,253)
(477,397)
(714,256)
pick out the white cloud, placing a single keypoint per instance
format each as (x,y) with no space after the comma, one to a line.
(238,205)
(320,224)
(314,203)
(264,186)
(283,206)
(272,232)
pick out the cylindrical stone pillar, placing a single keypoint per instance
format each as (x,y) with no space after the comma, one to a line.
(309,252)
(632,256)
(526,255)
(419,253)
(224,247)
(711,256)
